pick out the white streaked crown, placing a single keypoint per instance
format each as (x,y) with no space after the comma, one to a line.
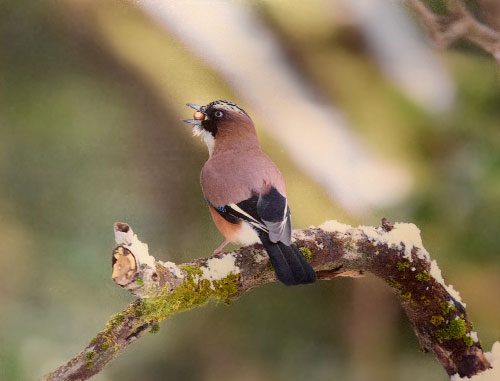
(224,105)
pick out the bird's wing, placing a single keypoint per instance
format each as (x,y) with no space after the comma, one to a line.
(272,208)
(266,212)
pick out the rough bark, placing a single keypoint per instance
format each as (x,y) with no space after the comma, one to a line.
(458,23)
(393,252)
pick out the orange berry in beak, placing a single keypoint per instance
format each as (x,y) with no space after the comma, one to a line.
(198,115)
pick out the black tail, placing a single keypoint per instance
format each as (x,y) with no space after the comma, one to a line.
(290,266)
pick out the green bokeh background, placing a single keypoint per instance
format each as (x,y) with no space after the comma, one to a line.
(91,98)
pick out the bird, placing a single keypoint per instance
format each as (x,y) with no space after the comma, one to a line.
(244,189)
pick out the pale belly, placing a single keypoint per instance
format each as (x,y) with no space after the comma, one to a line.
(247,235)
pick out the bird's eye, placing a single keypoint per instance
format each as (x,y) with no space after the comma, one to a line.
(218,114)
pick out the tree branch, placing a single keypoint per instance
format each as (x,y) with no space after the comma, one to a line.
(392,252)
(458,23)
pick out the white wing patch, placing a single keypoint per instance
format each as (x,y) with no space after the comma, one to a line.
(285,218)
(253,221)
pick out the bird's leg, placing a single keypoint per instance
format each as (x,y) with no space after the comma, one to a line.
(217,252)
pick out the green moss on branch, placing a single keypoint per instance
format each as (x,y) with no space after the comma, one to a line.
(192,292)
(306,253)
(456,329)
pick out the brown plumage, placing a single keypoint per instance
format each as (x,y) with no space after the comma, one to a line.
(251,173)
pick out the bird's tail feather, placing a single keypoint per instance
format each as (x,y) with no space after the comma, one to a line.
(290,266)
(310,274)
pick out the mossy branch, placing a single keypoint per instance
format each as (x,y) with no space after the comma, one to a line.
(456,24)
(391,252)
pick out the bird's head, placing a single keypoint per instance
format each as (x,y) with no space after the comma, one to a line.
(221,121)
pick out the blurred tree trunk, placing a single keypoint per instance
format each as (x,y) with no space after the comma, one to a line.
(371,322)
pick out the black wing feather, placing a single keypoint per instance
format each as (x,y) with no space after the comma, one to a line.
(267,212)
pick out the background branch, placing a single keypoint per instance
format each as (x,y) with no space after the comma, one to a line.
(392,252)
(458,23)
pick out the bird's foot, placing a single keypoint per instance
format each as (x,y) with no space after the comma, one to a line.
(218,252)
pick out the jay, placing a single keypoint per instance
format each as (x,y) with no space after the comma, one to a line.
(245,190)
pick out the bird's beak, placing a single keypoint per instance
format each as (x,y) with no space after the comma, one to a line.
(196,107)
(194,121)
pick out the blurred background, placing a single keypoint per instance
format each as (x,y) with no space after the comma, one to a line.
(365,119)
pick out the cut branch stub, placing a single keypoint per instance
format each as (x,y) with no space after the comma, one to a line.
(136,270)
(124,266)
